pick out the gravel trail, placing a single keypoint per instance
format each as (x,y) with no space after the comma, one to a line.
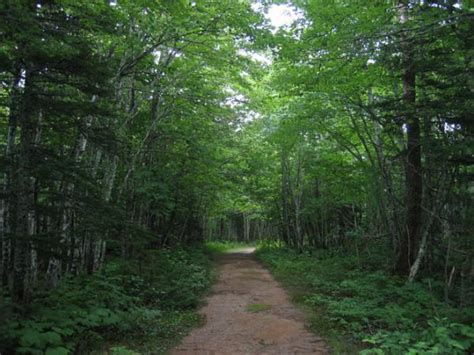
(249,313)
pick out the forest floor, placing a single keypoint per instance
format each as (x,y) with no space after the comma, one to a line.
(249,313)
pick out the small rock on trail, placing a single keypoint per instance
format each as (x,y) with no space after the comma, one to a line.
(249,313)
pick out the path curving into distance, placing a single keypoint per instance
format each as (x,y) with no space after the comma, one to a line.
(249,313)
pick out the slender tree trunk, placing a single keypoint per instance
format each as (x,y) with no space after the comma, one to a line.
(68,241)
(297,193)
(7,198)
(98,245)
(284,198)
(23,256)
(110,178)
(413,168)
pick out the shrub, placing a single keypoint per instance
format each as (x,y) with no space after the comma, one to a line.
(123,299)
(376,308)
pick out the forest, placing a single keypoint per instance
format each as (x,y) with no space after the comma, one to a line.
(139,139)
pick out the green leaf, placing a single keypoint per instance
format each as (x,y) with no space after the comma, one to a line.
(456,344)
(30,351)
(30,337)
(64,331)
(57,351)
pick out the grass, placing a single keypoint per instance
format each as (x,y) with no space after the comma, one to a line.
(258,307)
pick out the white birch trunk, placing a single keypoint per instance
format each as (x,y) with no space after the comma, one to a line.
(5,242)
(54,265)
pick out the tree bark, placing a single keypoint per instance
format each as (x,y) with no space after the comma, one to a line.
(413,167)
(67,239)
(23,255)
(297,192)
(284,198)
(7,199)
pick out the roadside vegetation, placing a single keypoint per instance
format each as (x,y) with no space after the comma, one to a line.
(144,306)
(358,307)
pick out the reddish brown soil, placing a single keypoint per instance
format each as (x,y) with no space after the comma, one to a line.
(232,328)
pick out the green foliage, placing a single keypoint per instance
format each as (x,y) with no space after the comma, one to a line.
(183,276)
(374,307)
(121,300)
(442,336)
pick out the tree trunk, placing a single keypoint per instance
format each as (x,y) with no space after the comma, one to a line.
(7,199)
(67,241)
(413,169)
(23,256)
(297,192)
(284,199)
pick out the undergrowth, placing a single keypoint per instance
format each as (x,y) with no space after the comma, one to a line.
(380,313)
(127,306)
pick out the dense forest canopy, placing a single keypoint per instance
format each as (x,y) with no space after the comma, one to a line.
(128,126)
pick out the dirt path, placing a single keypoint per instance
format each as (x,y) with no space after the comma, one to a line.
(249,313)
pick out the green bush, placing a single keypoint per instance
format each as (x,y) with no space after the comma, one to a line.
(440,337)
(376,308)
(155,296)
